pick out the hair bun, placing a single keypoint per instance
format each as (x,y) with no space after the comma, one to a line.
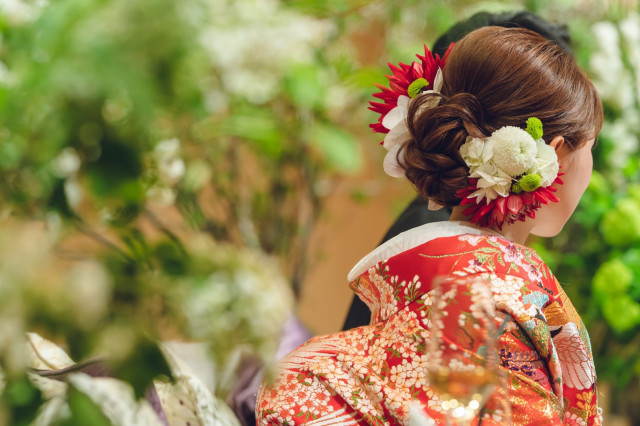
(432,159)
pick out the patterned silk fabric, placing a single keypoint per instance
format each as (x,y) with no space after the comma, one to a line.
(375,374)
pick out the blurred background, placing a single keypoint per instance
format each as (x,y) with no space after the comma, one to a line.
(198,170)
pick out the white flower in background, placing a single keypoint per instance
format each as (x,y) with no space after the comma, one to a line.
(244,82)
(90,292)
(167,148)
(514,150)
(170,170)
(630,32)
(626,143)
(252,42)
(610,76)
(73,192)
(171,167)
(243,304)
(19,12)
(161,195)
(66,164)
(338,98)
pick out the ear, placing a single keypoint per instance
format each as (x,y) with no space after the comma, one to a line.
(557,143)
(562,149)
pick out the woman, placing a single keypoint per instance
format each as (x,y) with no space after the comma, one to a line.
(455,130)
(417,213)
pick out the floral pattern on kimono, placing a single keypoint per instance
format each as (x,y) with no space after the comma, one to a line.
(375,374)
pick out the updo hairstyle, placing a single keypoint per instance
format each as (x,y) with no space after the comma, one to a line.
(496,77)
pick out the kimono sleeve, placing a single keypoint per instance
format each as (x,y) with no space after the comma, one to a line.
(482,314)
(302,392)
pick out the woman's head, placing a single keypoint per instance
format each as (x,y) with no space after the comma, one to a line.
(496,77)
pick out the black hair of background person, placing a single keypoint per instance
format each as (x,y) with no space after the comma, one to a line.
(417,213)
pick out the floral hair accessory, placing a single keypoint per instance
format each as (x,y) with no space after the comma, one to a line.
(512,171)
(405,83)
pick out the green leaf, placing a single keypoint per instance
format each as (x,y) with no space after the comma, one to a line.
(613,278)
(621,225)
(23,398)
(145,363)
(364,78)
(83,410)
(622,313)
(126,213)
(340,149)
(306,85)
(172,257)
(258,127)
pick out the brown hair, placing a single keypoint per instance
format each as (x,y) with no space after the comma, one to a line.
(496,77)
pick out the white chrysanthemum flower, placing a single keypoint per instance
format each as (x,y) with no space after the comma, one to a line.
(491,182)
(546,163)
(514,150)
(477,152)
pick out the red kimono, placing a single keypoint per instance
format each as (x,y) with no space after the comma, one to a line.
(374,374)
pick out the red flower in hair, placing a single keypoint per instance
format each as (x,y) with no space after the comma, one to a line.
(420,75)
(506,209)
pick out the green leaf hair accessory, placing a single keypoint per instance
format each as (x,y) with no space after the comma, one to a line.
(534,128)
(416,87)
(530,182)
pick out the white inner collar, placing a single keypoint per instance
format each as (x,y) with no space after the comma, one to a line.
(413,238)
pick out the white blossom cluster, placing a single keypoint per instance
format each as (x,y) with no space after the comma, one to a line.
(19,12)
(170,169)
(613,63)
(252,42)
(508,153)
(244,304)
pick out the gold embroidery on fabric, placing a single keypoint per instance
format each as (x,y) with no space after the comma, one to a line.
(555,315)
(570,311)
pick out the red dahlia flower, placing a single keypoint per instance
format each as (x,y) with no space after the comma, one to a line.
(400,80)
(506,209)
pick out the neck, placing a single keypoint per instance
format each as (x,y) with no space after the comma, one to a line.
(517,232)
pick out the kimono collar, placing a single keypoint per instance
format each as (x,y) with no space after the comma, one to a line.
(386,294)
(413,238)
